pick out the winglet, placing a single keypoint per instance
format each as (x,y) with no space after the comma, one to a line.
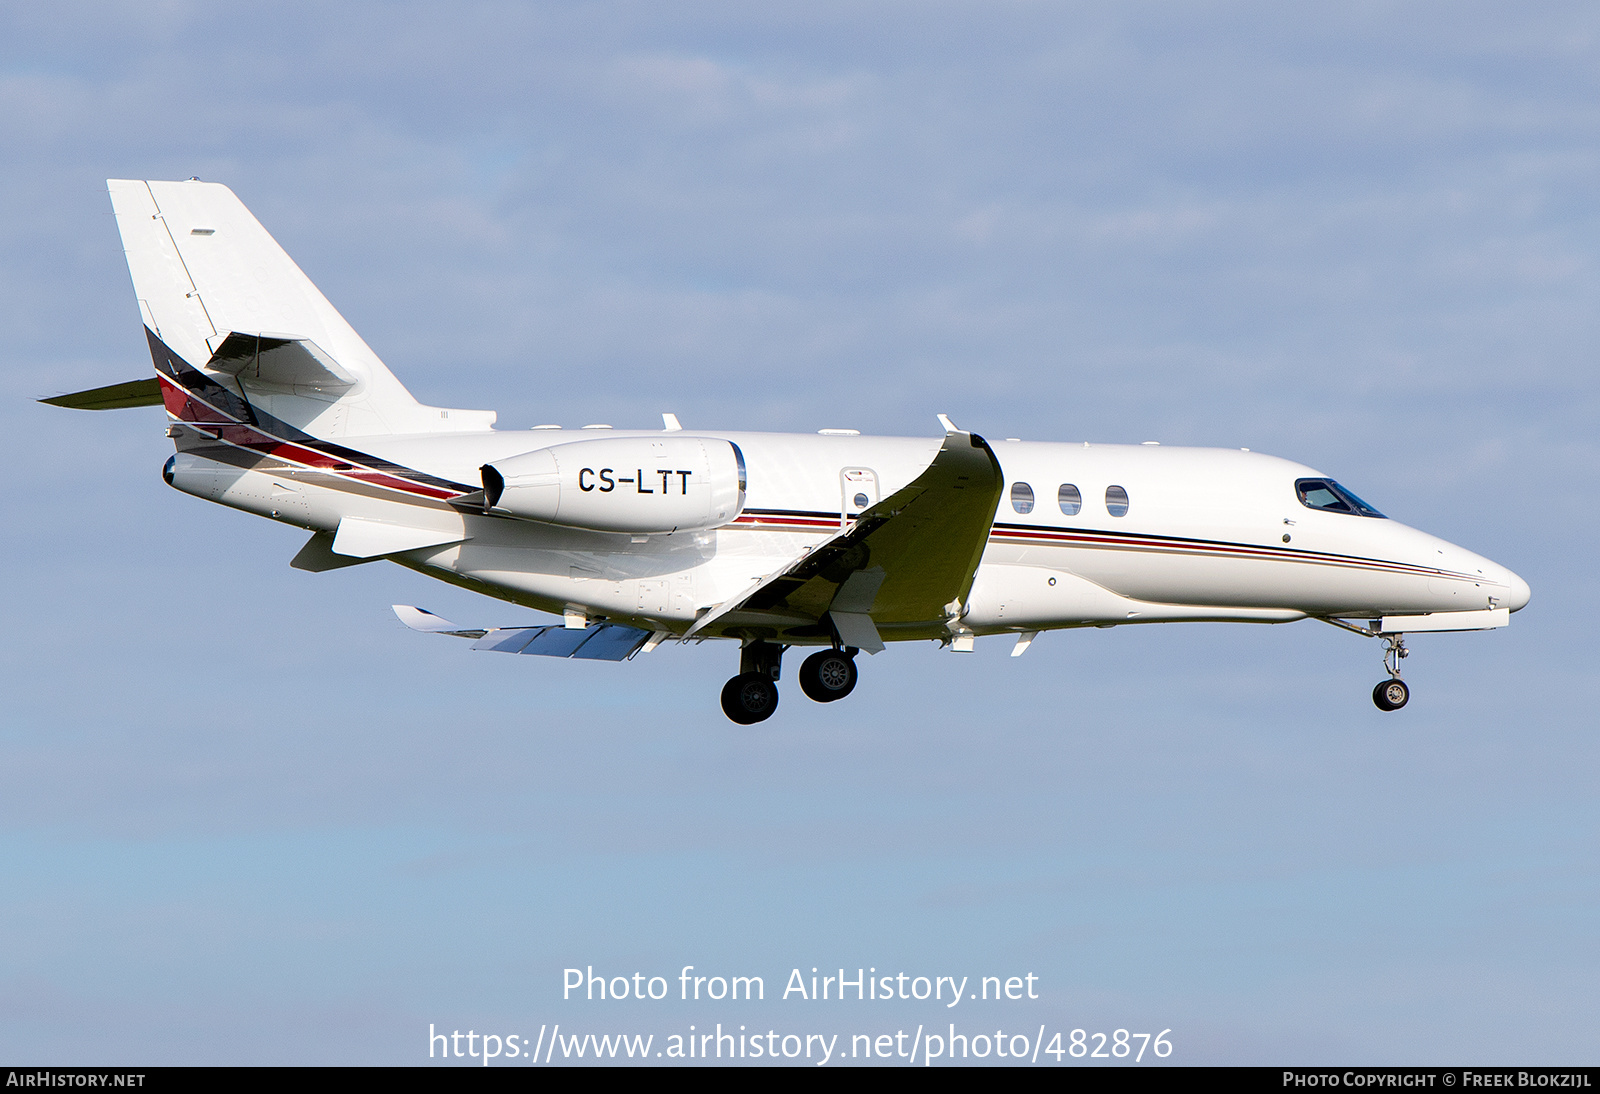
(419,619)
(949,426)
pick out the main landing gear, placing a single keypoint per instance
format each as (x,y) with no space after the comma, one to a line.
(829,675)
(1392,693)
(749,698)
(752,696)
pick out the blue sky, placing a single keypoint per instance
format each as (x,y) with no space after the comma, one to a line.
(246,817)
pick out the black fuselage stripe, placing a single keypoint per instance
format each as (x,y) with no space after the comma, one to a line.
(1103,539)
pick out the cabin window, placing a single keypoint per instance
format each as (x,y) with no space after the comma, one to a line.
(1116,501)
(1329,496)
(1071,501)
(860,500)
(1022,497)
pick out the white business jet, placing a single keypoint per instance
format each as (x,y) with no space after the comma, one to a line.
(832,540)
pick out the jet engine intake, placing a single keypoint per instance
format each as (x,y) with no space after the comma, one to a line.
(639,485)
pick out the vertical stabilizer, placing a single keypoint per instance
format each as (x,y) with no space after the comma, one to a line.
(220,293)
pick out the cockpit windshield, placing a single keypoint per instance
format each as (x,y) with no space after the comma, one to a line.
(1327,495)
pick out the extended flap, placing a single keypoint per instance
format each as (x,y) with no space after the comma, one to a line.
(596,642)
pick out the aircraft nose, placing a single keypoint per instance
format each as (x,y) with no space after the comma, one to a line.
(1518,597)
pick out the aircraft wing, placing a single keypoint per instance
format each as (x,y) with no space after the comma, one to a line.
(906,563)
(595,642)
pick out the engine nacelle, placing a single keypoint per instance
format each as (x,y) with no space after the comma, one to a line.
(640,485)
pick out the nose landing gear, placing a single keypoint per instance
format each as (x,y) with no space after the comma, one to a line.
(1392,693)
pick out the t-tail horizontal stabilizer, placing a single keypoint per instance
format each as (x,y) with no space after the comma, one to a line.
(112,397)
(596,642)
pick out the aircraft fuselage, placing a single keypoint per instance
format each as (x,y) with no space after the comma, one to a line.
(1197,533)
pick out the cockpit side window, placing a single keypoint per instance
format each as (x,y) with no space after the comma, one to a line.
(1329,496)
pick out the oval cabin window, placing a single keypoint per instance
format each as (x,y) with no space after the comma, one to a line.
(1116,501)
(1071,501)
(1022,497)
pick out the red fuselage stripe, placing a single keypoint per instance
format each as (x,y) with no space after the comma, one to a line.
(1135,542)
(195,412)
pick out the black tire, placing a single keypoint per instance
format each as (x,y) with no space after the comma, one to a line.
(749,697)
(828,675)
(1390,695)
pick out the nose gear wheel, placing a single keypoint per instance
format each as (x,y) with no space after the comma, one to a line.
(1392,694)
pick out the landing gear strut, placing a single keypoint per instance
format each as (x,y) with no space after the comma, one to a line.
(752,696)
(1392,693)
(829,675)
